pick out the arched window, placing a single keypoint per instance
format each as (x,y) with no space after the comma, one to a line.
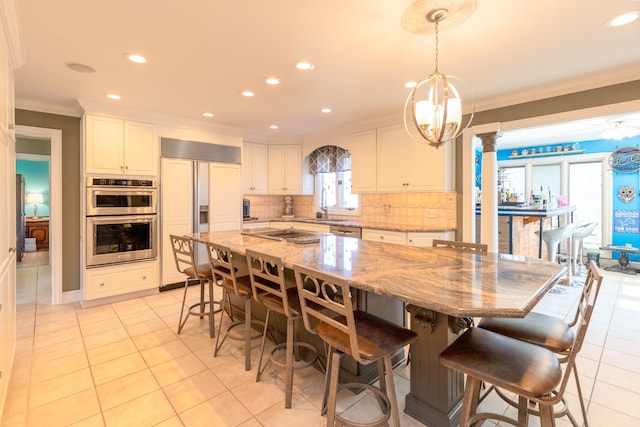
(332,167)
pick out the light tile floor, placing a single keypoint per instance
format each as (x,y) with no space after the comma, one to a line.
(123,364)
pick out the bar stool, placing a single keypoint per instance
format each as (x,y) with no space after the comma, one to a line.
(530,371)
(183,254)
(579,233)
(270,288)
(550,332)
(552,239)
(229,276)
(327,311)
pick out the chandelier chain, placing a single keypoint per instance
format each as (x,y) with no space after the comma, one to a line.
(436,31)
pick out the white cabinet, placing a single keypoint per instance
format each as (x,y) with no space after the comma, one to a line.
(254,168)
(398,237)
(120,279)
(426,238)
(363,162)
(114,146)
(285,169)
(406,165)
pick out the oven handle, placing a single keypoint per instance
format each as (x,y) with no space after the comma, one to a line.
(121,219)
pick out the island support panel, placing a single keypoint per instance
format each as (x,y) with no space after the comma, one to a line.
(435,396)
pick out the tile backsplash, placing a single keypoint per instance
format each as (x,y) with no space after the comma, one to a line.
(419,209)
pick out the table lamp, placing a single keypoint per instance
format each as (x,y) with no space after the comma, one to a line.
(35,198)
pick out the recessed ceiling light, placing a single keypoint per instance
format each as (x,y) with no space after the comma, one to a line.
(624,19)
(273,127)
(139,59)
(81,68)
(410,85)
(325,110)
(272,81)
(207,114)
(112,96)
(247,93)
(304,66)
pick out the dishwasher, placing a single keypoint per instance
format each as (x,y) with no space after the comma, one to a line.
(346,231)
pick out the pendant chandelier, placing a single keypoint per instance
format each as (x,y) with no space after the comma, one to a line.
(433,110)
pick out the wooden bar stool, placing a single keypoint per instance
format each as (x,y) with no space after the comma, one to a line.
(183,254)
(550,332)
(530,371)
(270,288)
(228,274)
(327,311)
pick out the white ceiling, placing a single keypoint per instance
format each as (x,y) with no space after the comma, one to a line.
(202,53)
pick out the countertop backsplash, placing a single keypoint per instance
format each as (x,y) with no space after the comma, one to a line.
(407,209)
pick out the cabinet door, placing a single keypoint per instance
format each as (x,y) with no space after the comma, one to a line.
(140,149)
(391,159)
(254,168)
(363,162)
(225,196)
(104,145)
(285,169)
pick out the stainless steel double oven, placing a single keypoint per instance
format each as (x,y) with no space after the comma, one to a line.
(121,217)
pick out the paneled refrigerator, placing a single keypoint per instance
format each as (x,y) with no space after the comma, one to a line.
(200,190)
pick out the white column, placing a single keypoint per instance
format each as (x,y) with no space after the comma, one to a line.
(489,211)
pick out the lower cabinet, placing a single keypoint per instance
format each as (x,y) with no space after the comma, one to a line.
(398,237)
(108,281)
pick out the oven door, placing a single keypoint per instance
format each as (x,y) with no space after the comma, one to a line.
(119,239)
(120,201)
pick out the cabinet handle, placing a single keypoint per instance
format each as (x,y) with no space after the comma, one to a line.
(101,283)
(381,237)
(12,126)
(144,277)
(12,250)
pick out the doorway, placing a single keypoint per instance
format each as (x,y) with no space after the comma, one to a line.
(53,137)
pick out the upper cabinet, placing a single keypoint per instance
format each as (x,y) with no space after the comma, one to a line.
(405,165)
(114,146)
(363,162)
(254,168)
(285,169)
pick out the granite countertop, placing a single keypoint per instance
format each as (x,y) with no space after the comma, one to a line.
(355,223)
(455,283)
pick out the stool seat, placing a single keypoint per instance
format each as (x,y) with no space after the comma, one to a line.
(540,329)
(516,366)
(553,237)
(275,303)
(376,336)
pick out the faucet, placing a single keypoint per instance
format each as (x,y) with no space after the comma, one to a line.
(323,203)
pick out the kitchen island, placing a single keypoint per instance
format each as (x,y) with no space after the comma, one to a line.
(441,286)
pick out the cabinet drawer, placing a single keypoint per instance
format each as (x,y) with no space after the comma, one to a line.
(426,238)
(385,236)
(116,280)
